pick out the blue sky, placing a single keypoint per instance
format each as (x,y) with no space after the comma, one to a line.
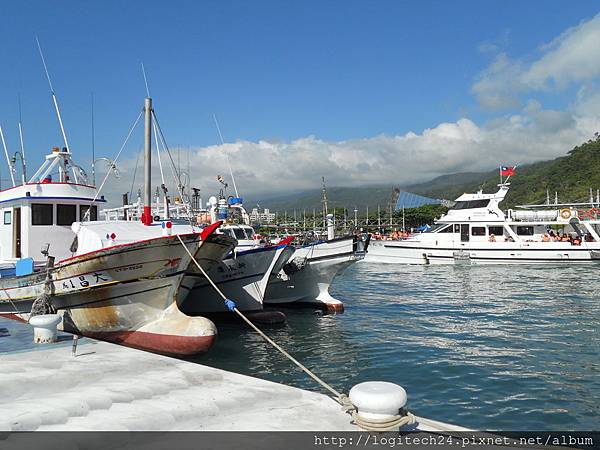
(330,72)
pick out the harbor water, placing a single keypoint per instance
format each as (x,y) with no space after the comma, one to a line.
(485,347)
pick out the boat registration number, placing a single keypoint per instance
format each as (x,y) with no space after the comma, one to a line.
(85,281)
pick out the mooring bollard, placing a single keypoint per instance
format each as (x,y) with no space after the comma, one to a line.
(44,328)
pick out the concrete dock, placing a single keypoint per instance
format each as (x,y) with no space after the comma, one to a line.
(108,387)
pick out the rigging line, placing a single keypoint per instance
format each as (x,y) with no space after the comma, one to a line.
(226,155)
(137,160)
(108,172)
(162,174)
(176,174)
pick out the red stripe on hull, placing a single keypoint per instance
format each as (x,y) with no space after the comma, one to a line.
(12,316)
(161,343)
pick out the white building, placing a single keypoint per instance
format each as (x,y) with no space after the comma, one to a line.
(265,217)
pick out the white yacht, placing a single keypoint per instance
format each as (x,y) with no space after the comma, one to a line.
(477,231)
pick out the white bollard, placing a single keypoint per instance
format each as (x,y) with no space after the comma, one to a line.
(377,400)
(44,328)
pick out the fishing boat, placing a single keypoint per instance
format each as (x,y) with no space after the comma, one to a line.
(476,231)
(118,281)
(242,274)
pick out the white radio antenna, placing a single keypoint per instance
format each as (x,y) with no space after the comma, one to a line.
(145,80)
(10,166)
(60,122)
(226,154)
(24,174)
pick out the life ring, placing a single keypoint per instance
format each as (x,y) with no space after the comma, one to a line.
(565,213)
(593,213)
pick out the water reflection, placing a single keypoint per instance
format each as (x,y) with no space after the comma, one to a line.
(483,346)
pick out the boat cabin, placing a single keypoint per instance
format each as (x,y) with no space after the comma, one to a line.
(42,210)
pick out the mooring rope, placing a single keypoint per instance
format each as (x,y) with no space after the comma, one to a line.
(342,399)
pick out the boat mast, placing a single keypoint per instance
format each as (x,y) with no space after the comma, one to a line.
(60,122)
(147,214)
(325,204)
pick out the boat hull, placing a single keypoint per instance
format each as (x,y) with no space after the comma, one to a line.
(242,277)
(127,294)
(414,252)
(312,269)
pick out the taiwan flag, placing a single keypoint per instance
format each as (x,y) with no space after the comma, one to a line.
(507,171)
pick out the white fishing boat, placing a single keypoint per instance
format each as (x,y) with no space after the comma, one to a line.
(476,231)
(242,275)
(306,271)
(117,281)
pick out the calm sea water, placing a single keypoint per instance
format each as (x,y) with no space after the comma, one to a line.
(493,347)
(487,347)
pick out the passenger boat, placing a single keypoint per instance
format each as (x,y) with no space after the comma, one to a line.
(118,281)
(476,231)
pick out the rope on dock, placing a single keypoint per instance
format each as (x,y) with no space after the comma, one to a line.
(369,425)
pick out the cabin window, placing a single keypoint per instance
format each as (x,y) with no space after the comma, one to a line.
(477,231)
(448,229)
(496,231)
(457,228)
(41,214)
(239,234)
(471,204)
(66,214)
(525,231)
(7,217)
(83,209)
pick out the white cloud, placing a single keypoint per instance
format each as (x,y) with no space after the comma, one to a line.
(571,58)
(265,168)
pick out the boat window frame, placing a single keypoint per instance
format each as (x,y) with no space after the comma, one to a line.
(60,206)
(531,227)
(472,204)
(93,215)
(7,217)
(38,206)
(497,227)
(481,231)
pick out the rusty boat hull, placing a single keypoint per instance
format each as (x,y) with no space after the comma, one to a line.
(128,294)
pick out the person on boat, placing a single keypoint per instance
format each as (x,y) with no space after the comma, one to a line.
(546,238)
(492,237)
(565,238)
(576,240)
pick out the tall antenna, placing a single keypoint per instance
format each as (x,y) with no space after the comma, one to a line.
(60,122)
(93,144)
(226,154)
(145,80)
(10,166)
(23,160)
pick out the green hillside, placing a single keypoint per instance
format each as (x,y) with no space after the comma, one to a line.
(571,176)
